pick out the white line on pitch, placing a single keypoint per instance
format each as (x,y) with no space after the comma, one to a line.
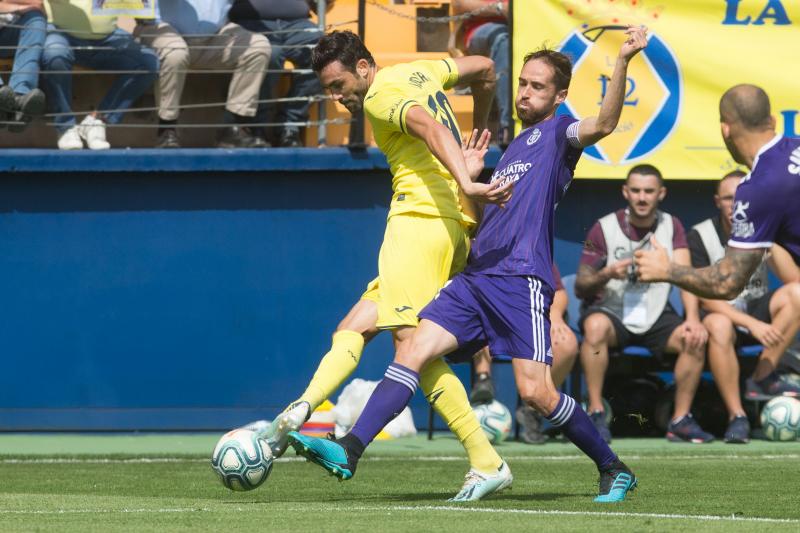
(598,514)
(434,508)
(380,458)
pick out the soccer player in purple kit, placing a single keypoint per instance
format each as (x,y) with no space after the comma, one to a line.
(503,296)
(766,211)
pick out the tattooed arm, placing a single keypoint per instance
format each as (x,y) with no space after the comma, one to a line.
(722,281)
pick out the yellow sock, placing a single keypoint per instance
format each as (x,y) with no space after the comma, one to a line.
(447,395)
(335,367)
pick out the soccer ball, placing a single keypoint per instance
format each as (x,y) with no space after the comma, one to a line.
(242,460)
(495,420)
(780,419)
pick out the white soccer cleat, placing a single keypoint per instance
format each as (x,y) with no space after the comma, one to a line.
(477,484)
(70,140)
(93,131)
(291,419)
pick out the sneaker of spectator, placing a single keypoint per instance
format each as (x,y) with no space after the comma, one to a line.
(598,418)
(168,138)
(239,137)
(482,389)
(196,34)
(93,132)
(531,425)
(290,138)
(27,106)
(738,431)
(7,104)
(70,140)
(686,429)
(769,387)
(73,39)
(292,35)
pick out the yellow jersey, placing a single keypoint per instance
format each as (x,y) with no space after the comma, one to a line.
(420,183)
(75,18)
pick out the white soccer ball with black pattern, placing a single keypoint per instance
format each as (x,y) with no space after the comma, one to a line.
(242,460)
(495,420)
(780,419)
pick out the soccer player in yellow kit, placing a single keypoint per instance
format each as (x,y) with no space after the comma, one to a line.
(427,232)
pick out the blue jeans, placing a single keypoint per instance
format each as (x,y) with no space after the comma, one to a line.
(302,84)
(59,57)
(29,41)
(491,40)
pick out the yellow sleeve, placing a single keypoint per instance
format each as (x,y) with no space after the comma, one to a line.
(445,70)
(387,108)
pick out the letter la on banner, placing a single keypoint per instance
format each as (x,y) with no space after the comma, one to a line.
(697,49)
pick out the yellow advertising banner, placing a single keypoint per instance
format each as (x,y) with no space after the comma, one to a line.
(696,50)
(133,8)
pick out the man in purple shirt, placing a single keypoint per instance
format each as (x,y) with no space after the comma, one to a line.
(765,212)
(503,296)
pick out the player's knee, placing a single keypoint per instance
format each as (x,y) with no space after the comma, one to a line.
(596,329)
(539,396)
(720,328)
(412,354)
(793,294)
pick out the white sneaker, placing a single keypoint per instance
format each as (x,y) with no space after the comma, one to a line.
(93,131)
(70,140)
(276,432)
(477,484)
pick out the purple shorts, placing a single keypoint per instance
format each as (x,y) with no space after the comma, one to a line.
(509,313)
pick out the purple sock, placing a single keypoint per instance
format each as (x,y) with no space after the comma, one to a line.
(387,401)
(578,428)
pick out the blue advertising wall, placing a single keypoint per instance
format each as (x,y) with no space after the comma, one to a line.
(197,290)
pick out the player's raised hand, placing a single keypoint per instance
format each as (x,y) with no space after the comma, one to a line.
(474,150)
(491,193)
(636,41)
(652,265)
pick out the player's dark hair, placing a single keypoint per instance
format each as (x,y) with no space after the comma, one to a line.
(343,46)
(562,66)
(645,169)
(746,104)
(732,174)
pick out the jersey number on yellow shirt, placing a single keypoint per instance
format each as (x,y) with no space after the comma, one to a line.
(444,113)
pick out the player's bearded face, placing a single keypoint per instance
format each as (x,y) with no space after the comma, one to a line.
(537,96)
(345,86)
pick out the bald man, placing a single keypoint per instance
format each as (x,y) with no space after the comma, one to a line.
(766,211)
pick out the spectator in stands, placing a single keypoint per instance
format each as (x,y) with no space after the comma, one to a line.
(77,37)
(292,36)
(486,34)
(617,311)
(756,316)
(565,351)
(196,34)
(23,28)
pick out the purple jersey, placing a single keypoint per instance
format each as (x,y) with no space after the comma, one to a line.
(518,239)
(767,208)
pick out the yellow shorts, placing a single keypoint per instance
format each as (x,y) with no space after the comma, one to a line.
(418,255)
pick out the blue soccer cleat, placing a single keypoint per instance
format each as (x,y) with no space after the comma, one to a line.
(328,454)
(615,483)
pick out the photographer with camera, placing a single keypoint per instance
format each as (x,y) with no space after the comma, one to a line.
(619,311)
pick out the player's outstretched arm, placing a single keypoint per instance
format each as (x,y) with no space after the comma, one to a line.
(593,129)
(722,281)
(478,73)
(445,148)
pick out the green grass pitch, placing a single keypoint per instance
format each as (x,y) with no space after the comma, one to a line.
(87,483)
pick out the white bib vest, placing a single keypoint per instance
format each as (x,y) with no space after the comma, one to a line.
(758,284)
(638,305)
